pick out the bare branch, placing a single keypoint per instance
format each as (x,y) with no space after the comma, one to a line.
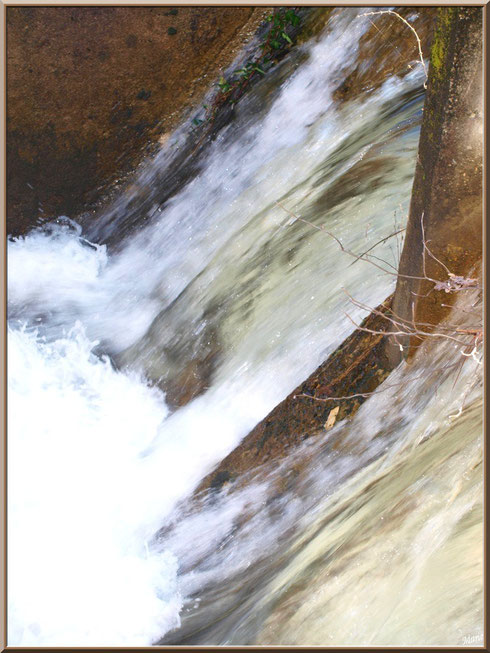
(419,43)
(373,392)
(403,327)
(347,251)
(426,249)
(395,233)
(405,331)
(401,322)
(454,283)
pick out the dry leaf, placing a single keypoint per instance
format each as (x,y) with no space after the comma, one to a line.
(332,416)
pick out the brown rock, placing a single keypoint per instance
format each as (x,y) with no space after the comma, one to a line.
(91,88)
(192,381)
(388,48)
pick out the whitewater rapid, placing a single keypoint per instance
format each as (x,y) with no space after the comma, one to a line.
(97,463)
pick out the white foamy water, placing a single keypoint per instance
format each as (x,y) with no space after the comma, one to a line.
(79,570)
(96,463)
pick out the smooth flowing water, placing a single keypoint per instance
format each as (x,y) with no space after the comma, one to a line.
(357,550)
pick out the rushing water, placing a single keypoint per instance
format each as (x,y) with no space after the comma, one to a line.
(376,542)
(355,550)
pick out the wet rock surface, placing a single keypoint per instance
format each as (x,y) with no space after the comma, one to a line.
(149,189)
(388,48)
(92,89)
(177,356)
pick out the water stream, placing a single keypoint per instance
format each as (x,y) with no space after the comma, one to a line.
(357,550)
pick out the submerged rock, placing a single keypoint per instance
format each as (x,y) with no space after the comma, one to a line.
(180,361)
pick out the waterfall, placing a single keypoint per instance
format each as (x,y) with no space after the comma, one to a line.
(224,276)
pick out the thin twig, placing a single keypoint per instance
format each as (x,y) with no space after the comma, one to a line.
(419,43)
(426,249)
(402,324)
(406,332)
(379,243)
(368,394)
(347,251)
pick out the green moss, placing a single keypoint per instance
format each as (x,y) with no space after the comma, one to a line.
(440,45)
(446,18)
